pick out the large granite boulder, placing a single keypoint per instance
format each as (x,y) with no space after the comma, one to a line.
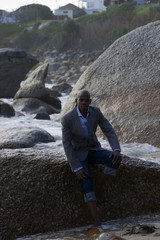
(40,193)
(23,137)
(14,65)
(124,82)
(33,95)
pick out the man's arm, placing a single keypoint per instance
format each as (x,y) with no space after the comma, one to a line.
(67,144)
(109,132)
(81,173)
(116,156)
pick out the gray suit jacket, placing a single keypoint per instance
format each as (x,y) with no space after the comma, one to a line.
(76,145)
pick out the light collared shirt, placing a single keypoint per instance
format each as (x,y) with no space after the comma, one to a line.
(84,122)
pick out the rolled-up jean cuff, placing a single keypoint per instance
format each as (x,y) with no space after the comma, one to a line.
(110,171)
(90,196)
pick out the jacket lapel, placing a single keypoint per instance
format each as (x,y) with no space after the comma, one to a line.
(77,123)
(91,121)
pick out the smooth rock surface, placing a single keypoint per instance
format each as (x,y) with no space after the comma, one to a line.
(23,137)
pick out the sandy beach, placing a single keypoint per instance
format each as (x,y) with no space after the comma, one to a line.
(144,227)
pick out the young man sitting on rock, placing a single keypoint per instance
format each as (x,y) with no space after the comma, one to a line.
(83,148)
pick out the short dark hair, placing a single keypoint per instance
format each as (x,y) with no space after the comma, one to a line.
(83,92)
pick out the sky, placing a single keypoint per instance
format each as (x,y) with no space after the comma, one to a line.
(11,5)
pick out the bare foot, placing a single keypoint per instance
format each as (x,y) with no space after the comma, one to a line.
(96,225)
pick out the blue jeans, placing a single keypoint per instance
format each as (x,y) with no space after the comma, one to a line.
(96,157)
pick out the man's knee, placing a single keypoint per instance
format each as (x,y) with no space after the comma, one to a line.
(90,196)
(110,171)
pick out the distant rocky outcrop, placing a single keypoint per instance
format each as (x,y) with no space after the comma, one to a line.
(23,137)
(62,88)
(124,82)
(6,110)
(14,65)
(40,193)
(33,95)
(68,66)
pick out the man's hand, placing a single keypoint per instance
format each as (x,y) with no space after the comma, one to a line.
(116,157)
(81,174)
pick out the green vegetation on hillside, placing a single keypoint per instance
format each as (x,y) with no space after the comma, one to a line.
(33,12)
(86,32)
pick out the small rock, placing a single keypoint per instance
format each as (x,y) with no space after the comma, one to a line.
(142,229)
(42,115)
(43,25)
(156,235)
(6,110)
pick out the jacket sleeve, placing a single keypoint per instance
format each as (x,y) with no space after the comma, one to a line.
(67,144)
(108,131)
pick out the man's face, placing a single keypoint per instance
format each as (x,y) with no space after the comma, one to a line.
(83,102)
